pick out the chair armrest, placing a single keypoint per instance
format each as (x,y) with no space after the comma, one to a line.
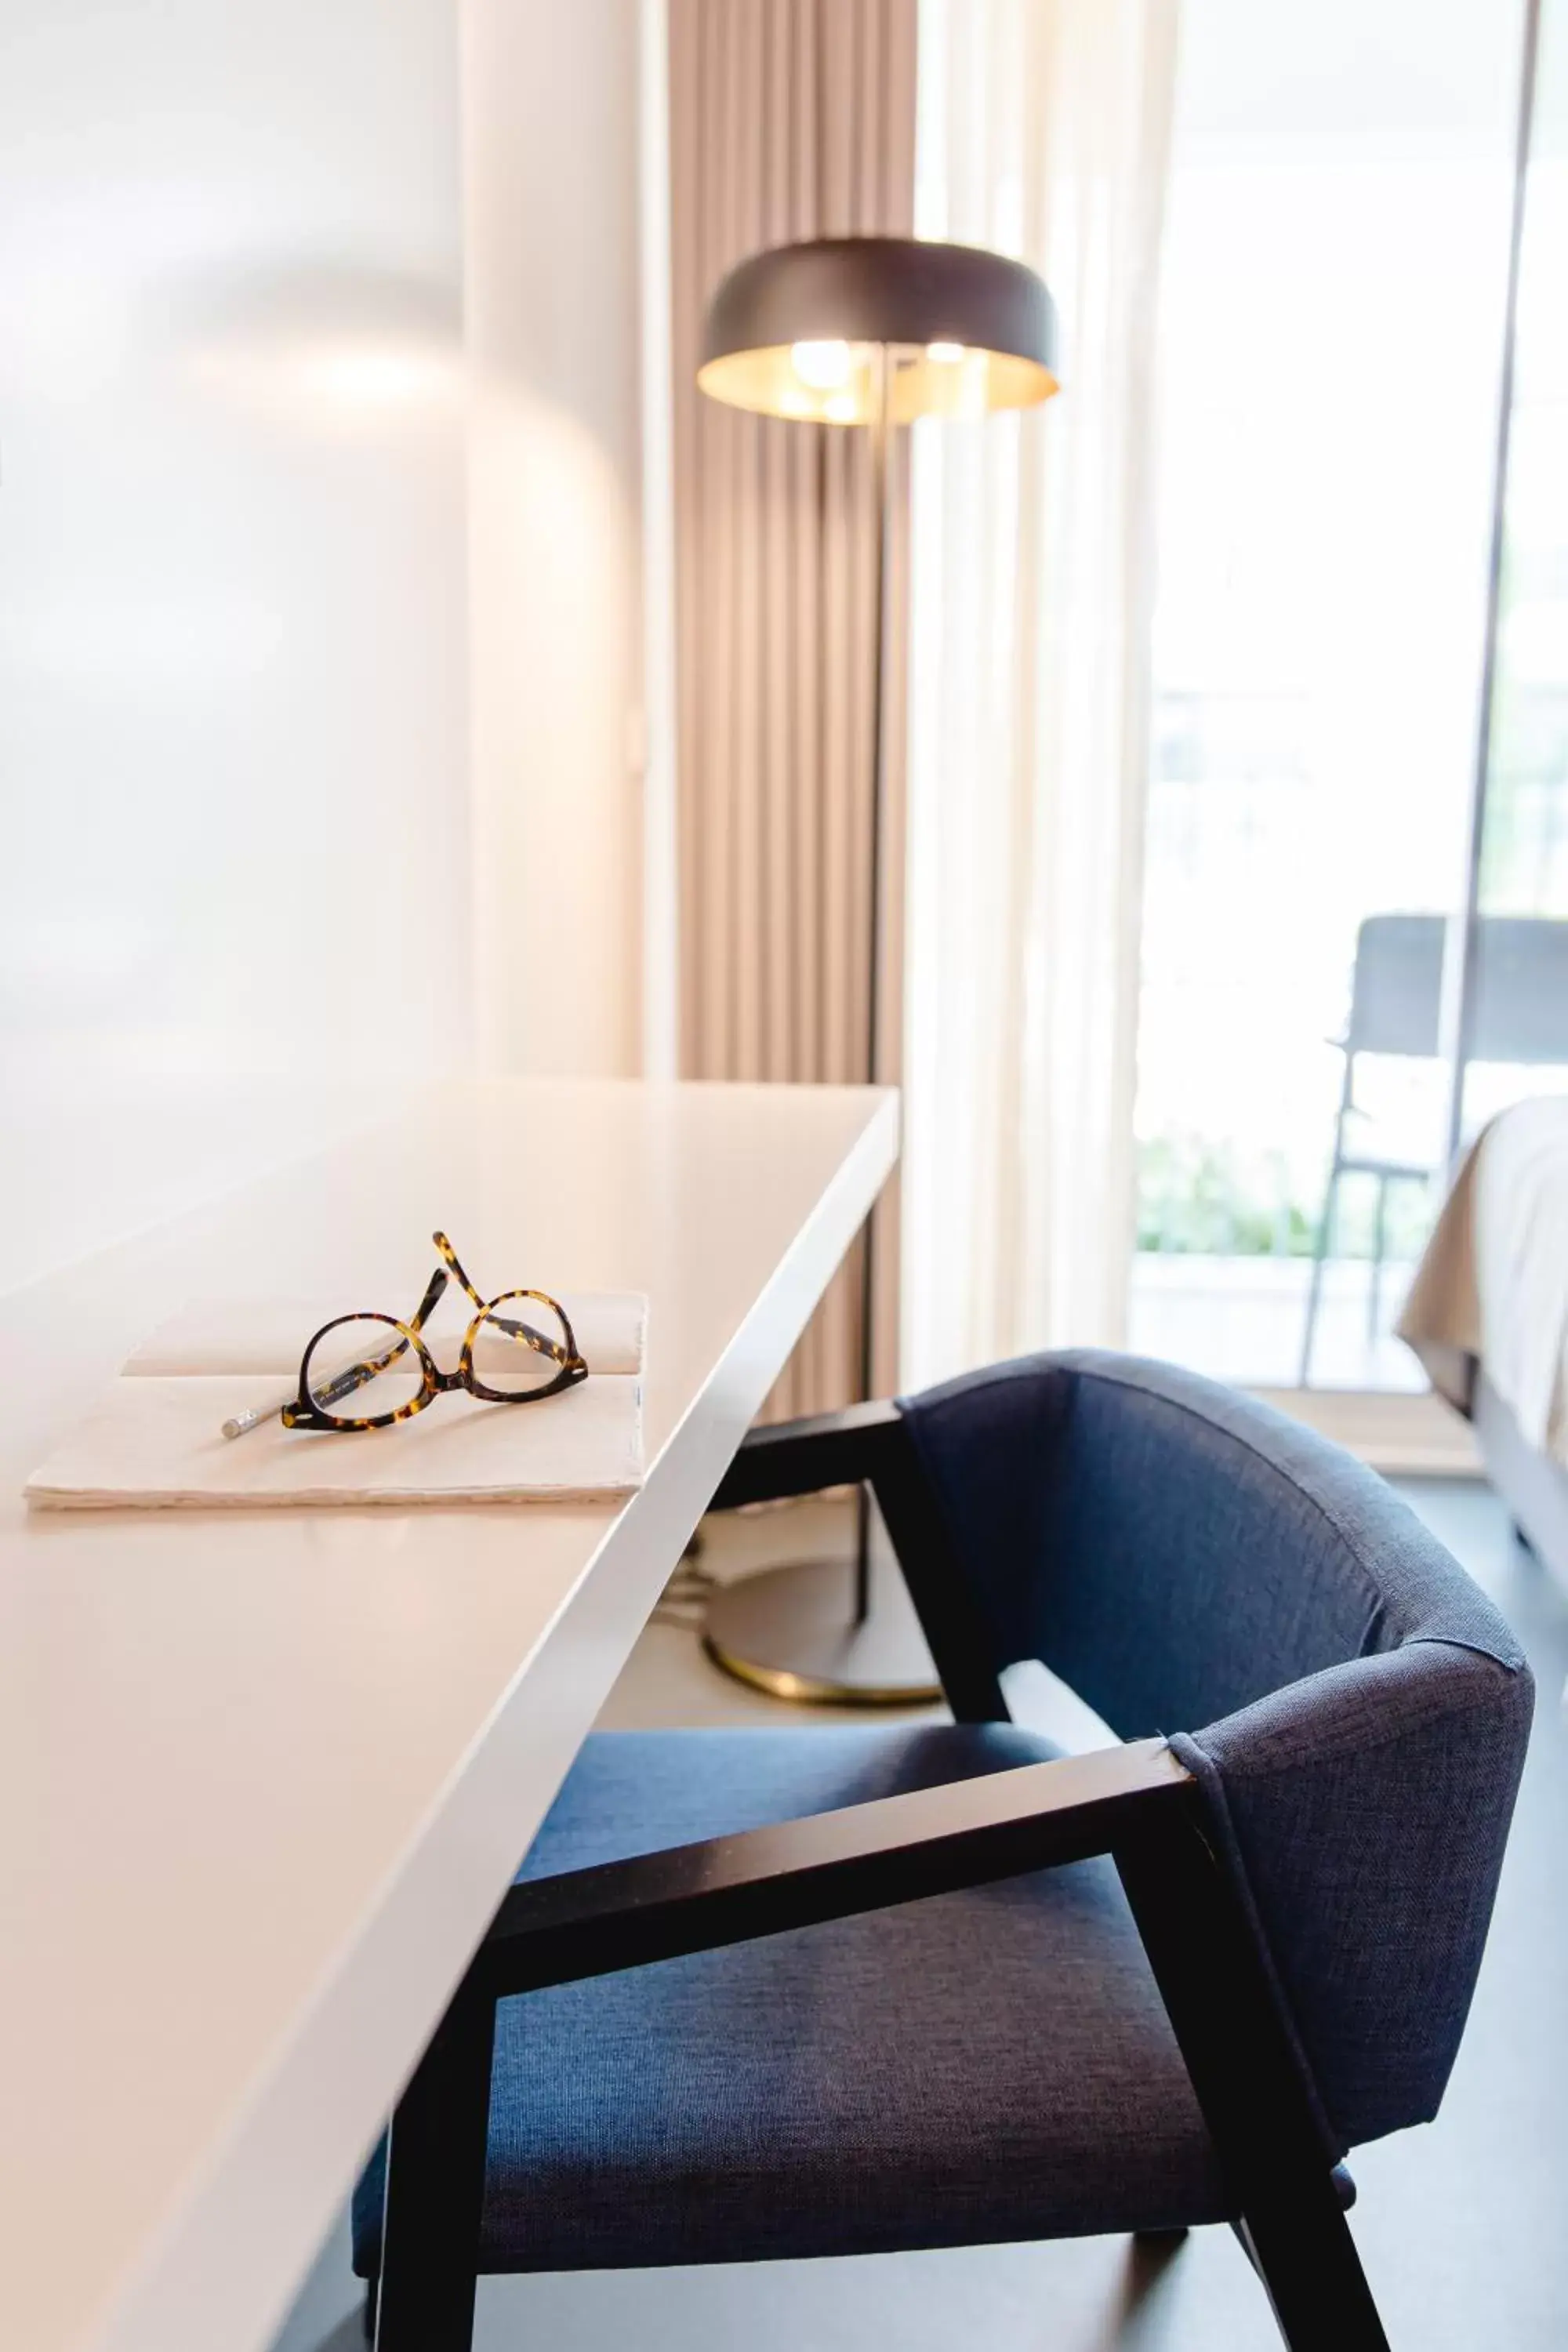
(730,1890)
(802,1458)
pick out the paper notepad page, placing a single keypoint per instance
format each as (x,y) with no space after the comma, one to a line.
(154,1440)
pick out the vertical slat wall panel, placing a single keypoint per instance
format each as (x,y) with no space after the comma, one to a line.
(788,119)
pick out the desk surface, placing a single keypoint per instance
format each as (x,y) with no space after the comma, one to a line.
(263,1778)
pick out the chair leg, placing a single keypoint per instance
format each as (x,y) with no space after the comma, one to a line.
(1307,2260)
(436,2186)
(1248,2083)
(1315,1287)
(1379,1244)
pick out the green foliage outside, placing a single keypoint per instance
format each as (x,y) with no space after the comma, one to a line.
(1209,1199)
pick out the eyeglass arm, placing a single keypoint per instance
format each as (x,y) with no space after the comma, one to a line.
(514,1329)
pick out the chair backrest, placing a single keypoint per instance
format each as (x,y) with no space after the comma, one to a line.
(1193,1563)
(1520,988)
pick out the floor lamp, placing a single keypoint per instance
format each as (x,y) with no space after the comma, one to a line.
(874,332)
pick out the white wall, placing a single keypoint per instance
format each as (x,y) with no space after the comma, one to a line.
(551,180)
(232,635)
(248,873)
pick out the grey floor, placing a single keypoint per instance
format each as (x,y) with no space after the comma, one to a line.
(1461,2226)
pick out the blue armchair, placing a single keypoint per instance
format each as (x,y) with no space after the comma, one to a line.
(813,1991)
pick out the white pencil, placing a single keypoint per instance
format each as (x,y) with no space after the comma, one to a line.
(255,1414)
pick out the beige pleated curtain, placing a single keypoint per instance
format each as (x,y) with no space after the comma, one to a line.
(788,119)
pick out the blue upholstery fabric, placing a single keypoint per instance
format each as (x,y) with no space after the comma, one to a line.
(983,2066)
(1194,1563)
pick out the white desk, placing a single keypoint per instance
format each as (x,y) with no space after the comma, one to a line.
(263,1779)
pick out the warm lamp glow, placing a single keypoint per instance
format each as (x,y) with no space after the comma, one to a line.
(823,366)
(923,380)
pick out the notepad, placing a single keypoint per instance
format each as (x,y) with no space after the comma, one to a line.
(153,1439)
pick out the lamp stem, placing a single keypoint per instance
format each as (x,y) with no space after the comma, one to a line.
(881,487)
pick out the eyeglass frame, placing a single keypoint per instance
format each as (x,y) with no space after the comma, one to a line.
(305,1412)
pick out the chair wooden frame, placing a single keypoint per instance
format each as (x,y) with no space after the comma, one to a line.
(1135,1803)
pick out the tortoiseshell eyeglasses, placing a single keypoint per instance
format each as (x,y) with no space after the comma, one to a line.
(376,1361)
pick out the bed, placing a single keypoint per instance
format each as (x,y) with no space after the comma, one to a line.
(1487,1313)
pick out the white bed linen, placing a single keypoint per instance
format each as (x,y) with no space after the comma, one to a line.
(1492,1288)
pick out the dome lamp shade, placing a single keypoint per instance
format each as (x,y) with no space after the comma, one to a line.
(801,332)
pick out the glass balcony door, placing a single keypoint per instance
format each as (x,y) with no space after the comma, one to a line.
(1334,307)
(1521,883)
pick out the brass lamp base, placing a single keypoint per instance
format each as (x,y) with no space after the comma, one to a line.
(791,1631)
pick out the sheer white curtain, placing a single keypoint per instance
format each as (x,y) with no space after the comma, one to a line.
(1045,131)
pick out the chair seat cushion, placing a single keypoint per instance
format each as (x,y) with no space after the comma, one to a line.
(984,2067)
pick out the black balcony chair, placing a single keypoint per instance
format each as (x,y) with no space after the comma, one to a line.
(810,1991)
(1521,1016)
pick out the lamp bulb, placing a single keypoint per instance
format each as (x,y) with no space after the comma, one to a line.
(823,366)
